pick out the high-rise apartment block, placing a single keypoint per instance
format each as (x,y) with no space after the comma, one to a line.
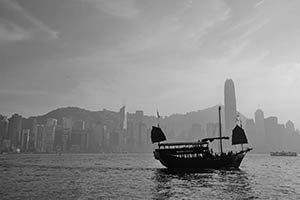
(15,131)
(230,107)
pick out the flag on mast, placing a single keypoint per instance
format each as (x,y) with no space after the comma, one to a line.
(158,116)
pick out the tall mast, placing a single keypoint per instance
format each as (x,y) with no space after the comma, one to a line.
(158,116)
(220,130)
(241,125)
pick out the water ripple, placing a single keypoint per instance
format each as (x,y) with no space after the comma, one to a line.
(139,176)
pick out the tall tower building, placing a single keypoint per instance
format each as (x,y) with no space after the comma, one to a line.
(290,126)
(260,130)
(3,131)
(272,133)
(49,135)
(251,132)
(291,141)
(15,131)
(230,107)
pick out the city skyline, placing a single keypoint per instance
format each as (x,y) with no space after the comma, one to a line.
(149,99)
(77,130)
(149,55)
(155,114)
(72,129)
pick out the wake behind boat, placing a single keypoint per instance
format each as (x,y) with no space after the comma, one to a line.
(198,155)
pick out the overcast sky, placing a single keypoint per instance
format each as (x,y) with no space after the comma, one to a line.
(174,55)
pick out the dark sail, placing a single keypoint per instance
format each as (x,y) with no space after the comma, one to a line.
(238,136)
(157,135)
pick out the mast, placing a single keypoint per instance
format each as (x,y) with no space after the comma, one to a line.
(158,116)
(241,125)
(157,113)
(220,130)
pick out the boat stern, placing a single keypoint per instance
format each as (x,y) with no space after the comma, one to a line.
(156,154)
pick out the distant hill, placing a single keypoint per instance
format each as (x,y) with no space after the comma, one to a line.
(190,126)
(177,124)
(73,112)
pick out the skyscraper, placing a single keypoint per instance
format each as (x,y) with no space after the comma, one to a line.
(38,140)
(3,132)
(15,131)
(251,132)
(49,135)
(230,107)
(290,126)
(272,133)
(260,130)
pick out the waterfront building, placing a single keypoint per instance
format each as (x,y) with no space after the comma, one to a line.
(67,123)
(230,107)
(290,126)
(48,139)
(229,110)
(49,135)
(66,138)
(292,136)
(78,125)
(79,140)
(144,138)
(15,131)
(195,132)
(79,136)
(38,141)
(3,133)
(260,130)
(28,125)
(123,118)
(122,129)
(250,129)
(139,114)
(25,140)
(283,142)
(58,138)
(6,146)
(96,138)
(33,133)
(272,133)
(130,140)
(51,122)
(114,138)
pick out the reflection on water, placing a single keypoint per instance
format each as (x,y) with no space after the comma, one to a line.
(170,184)
(236,183)
(175,183)
(140,176)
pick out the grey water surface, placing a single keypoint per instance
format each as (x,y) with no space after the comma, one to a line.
(140,176)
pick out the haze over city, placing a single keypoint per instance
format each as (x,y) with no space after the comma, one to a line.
(149,99)
(168,55)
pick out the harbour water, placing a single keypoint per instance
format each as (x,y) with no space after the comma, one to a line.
(140,176)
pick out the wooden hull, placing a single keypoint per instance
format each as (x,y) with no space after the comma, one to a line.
(174,161)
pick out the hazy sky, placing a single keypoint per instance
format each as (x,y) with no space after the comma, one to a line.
(174,55)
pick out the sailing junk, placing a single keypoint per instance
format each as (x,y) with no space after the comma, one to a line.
(238,136)
(198,155)
(157,135)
